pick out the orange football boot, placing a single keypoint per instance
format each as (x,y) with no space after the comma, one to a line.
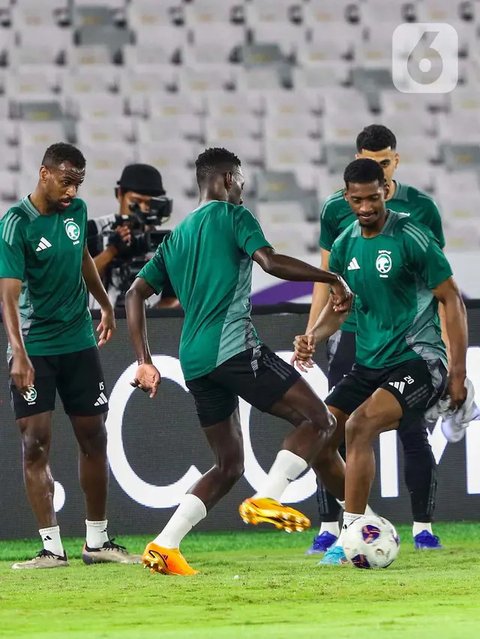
(167,561)
(264,509)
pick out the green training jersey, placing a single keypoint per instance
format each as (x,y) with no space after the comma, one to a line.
(45,252)
(208,261)
(392,276)
(337,215)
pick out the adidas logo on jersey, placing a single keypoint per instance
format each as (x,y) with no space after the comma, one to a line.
(354,265)
(398,385)
(101,400)
(43,244)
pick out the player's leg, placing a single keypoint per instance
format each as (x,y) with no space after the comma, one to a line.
(341,357)
(271,385)
(33,412)
(81,386)
(420,470)
(217,409)
(405,391)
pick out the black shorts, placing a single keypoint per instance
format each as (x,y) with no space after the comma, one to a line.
(340,355)
(416,384)
(78,377)
(257,375)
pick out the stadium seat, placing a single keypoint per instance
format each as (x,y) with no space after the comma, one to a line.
(459,129)
(288,102)
(378,11)
(93,106)
(324,13)
(90,55)
(158,129)
(110,157)
(420,175)
(170,154)
(45,133)
(292,237)
(31,13)
(339,100)
(445,10)
(285,154)
(228,128)
(343,128)
(41,82)
(206,12)
(39,111)
(8,185)
(292,126)
(422,125)
(258,11)
(461,157)
(286,35)
(96,79)
(333,73)
(151,13)
(105,130)
(338,155)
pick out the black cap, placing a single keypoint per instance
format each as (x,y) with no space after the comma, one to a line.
(141,178)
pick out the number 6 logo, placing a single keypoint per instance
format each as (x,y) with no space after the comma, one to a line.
(425,57)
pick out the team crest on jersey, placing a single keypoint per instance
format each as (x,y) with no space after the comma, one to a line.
(72,230)
(30,395)
(383,263)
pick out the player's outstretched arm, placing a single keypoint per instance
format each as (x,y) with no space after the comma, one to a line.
(456,326)
(290,268)
(147,377)
(327,324)
(22,371)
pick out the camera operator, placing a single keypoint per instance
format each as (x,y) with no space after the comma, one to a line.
(134,235)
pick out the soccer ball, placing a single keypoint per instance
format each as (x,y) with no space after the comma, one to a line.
(371,542)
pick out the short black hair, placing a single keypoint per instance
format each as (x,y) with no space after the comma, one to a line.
(376,137)
(215,160)
(363,171)
(63,152)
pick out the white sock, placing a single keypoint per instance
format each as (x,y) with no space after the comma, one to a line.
(348,518)
(418,526)
(286,467)
(342,503)
(190,511)
(51,540)
(96,533)
(331,527)
(369,511)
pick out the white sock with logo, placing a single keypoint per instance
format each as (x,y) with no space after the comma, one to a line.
(286,468)
(51,540)
(348,518)
(96,533)
(418,526)
(190,511)
(332,527)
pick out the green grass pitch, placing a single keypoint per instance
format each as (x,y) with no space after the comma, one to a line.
(253,584)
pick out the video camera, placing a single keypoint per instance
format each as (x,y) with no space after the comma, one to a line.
(146,236)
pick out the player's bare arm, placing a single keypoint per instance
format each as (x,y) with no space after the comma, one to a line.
(22,371)
(320,292)
(94,284)
(147,377)
(456,326)
(289,268)
(326,325)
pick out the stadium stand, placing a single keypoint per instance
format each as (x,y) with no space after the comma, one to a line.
(288,84)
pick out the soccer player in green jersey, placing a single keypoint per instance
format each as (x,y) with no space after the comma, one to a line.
(398,274)
(45,271)
(208,259)
(378,143)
